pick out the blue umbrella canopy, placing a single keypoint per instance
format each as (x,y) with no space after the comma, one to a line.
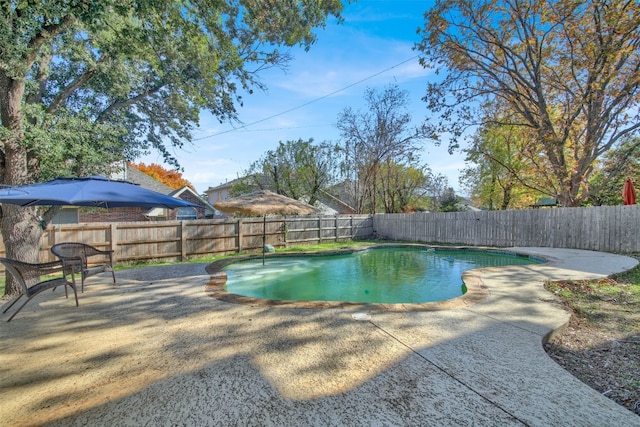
(95,191)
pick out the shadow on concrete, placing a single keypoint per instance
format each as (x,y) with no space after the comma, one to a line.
(155,349)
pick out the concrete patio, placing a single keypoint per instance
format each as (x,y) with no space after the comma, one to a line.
(155,349)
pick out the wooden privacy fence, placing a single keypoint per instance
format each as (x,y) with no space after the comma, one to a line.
(181,240)
(601,228)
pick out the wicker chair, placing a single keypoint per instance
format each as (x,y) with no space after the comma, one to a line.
(35,278)
(77,255)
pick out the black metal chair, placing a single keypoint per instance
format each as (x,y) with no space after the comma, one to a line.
(35,278)
(77,256)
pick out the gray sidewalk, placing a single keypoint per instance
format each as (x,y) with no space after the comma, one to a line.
(156,350)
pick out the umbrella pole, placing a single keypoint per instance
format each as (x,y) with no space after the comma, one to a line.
(264,235)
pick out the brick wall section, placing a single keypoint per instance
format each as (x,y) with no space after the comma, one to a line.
(114,215)
(132,214)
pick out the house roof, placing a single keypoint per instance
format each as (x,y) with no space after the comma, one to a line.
(145,181)
(334,203)
(207,206)
(227,184)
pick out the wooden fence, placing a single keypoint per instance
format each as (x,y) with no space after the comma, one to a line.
(602,228)
(181,240)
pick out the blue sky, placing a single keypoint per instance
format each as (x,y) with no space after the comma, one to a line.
(372,48)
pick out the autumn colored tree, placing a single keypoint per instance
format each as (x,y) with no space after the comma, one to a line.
(400,188)
(568,71)
(505,169)
(169,177)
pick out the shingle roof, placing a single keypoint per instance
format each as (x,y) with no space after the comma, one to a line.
(145,181)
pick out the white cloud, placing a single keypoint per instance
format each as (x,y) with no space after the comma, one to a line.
(210,173)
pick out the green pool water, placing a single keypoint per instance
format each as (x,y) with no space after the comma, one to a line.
(379,275)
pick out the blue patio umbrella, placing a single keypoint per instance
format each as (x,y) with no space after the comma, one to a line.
(96,191)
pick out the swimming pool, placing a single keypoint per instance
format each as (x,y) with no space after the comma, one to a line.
(387,275)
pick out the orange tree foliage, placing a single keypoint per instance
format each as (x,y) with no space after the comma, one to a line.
(171,178)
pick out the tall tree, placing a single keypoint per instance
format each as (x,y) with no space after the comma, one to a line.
(113,78)
(401,188)
(383,134)
(296,169)
(437,188)
(569,71)
(449,201)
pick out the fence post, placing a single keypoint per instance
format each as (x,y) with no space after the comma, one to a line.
(285,229)
(239,235)
(351,226)
(53,235)
(113,230)
(183,241)
(335,224)
(319,229)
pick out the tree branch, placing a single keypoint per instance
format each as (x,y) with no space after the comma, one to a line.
(47,32)
(129,101)
(63,95)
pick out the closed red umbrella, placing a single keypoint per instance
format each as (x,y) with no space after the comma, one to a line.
(628,193)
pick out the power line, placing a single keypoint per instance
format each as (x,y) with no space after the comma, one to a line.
(309,102)
(243,130)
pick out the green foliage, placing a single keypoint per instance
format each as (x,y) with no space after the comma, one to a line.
(243,186)
(612,171)
(401,188)
(504,167)
(73,145)
(123,77)
(295,169)
(449,201)
(86,82)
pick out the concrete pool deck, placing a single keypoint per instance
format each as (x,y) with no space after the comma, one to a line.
(154,349)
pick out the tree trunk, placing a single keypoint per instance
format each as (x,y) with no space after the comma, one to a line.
(19,226)
(21,232)
(568,197)
(506,197)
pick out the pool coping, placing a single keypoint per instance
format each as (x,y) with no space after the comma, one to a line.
(476,289)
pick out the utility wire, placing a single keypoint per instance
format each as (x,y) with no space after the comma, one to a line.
(309,102)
